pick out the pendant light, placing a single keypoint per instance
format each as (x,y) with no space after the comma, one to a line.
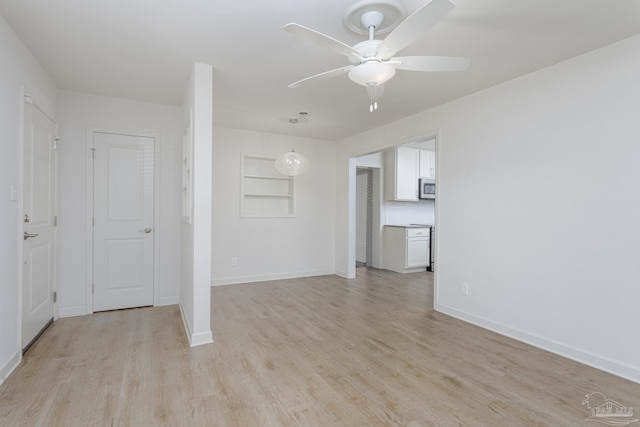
(292,163)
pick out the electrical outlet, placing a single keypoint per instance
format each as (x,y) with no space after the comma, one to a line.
(464,288)
(234,260)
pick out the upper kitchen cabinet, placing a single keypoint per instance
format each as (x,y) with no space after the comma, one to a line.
(402,174)
(427,164)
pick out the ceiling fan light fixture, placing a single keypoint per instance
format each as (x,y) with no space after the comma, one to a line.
(372,73)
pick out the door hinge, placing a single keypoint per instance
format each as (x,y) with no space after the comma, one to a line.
(93,221)
(55,220)
(55,296)
(55,144)
(93,153)
(92,288)
(27,98)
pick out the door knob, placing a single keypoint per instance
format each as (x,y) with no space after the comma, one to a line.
(29,236)
(146,230)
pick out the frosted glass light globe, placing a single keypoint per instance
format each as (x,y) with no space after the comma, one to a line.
(372,73)
(292,164)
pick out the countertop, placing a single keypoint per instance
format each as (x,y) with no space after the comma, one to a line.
(409,225)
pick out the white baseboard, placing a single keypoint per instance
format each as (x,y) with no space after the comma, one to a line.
(201,338)
(343,274)
(167,301)
(221,281)
(10,366)
(614,367)
(73,311)
(195,339)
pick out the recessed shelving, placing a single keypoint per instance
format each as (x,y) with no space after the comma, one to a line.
(264,192)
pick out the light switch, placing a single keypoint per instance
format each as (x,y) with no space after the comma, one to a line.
(14,193)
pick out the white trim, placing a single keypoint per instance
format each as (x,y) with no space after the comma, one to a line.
(234,280)
(435,245)
(379,214)
(195,339)
(201,339)
(73,311)
(342,274)
(162,301)
(185,323)
(56,212)
(20,220)
(351,215)
(157,227)
(614,367)
(11,365)
(89,222)
(91,130)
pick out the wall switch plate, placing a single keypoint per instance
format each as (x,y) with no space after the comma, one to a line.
(234,260)
(464,288)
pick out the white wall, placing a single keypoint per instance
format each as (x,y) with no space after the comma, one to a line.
(195,293)
(18,69)
(538,206)
(420,212)
(79,112)
(272,248)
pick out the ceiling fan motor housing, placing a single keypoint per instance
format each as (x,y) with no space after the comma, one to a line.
(368,49)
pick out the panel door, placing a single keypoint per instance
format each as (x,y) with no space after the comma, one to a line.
(38,250)
(123,221)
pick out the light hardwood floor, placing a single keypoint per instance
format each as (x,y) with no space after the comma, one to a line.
(319,351)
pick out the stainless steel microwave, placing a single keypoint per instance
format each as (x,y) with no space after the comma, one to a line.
(427,188)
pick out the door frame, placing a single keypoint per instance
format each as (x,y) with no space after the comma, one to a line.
(352,157)
(24,92)
(378,216)
(91,130)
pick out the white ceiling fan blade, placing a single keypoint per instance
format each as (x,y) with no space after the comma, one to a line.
(430,63)
(322,76)
(322,40)
(411,28)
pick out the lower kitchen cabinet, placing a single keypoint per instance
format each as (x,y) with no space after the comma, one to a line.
(406,248)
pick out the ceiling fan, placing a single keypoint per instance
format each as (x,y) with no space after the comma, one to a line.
(373,61)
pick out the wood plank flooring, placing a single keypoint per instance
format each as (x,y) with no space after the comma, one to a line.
(319,351)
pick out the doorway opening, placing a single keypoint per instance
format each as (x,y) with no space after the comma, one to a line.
(364,211)
(380,211)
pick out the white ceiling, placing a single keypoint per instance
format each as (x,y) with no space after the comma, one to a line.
(144,50)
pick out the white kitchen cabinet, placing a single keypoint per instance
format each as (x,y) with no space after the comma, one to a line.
(417,252)
(427,160)
(402,174)
(406,249)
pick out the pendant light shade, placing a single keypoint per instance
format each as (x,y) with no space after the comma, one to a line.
(292,164)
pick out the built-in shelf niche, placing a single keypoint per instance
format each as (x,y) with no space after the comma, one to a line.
(265,192)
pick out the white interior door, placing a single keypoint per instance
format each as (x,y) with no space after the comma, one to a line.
(123,221)
(38,250)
